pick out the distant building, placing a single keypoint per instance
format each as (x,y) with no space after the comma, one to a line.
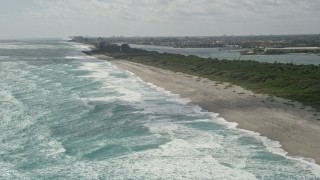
(102,44)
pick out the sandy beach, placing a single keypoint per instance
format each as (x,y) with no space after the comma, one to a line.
(294,125)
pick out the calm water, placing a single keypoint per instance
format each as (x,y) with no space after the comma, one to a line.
(235,54)
(64,115)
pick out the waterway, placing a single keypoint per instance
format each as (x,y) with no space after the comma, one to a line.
(234,54)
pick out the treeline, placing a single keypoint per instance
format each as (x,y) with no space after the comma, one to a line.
(296,82)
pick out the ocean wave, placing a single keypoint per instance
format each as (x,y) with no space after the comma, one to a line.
(4,57)
(104,74)
(78,57)
(15,47)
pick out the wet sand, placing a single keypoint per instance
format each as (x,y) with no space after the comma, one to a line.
(295,126)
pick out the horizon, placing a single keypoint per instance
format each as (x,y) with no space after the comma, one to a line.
(120,36)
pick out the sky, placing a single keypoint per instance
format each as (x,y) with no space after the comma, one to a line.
(63,18)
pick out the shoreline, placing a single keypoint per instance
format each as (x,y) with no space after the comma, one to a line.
(292,124)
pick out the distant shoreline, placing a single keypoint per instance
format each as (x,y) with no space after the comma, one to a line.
(279,119)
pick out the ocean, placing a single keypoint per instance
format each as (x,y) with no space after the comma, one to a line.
(295,58)
(65,115)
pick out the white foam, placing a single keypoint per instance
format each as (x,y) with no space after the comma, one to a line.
(126,87)
(82,47)
(177,159)
(272,146)
(4,57)
(26,46)
(78,57)
(55,148)
(223,149)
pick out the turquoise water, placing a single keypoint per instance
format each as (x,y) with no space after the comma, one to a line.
(65,115)
(235,54)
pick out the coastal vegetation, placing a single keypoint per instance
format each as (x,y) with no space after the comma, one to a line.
(295,82)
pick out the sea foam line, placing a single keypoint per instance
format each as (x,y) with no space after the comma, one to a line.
(272,146)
